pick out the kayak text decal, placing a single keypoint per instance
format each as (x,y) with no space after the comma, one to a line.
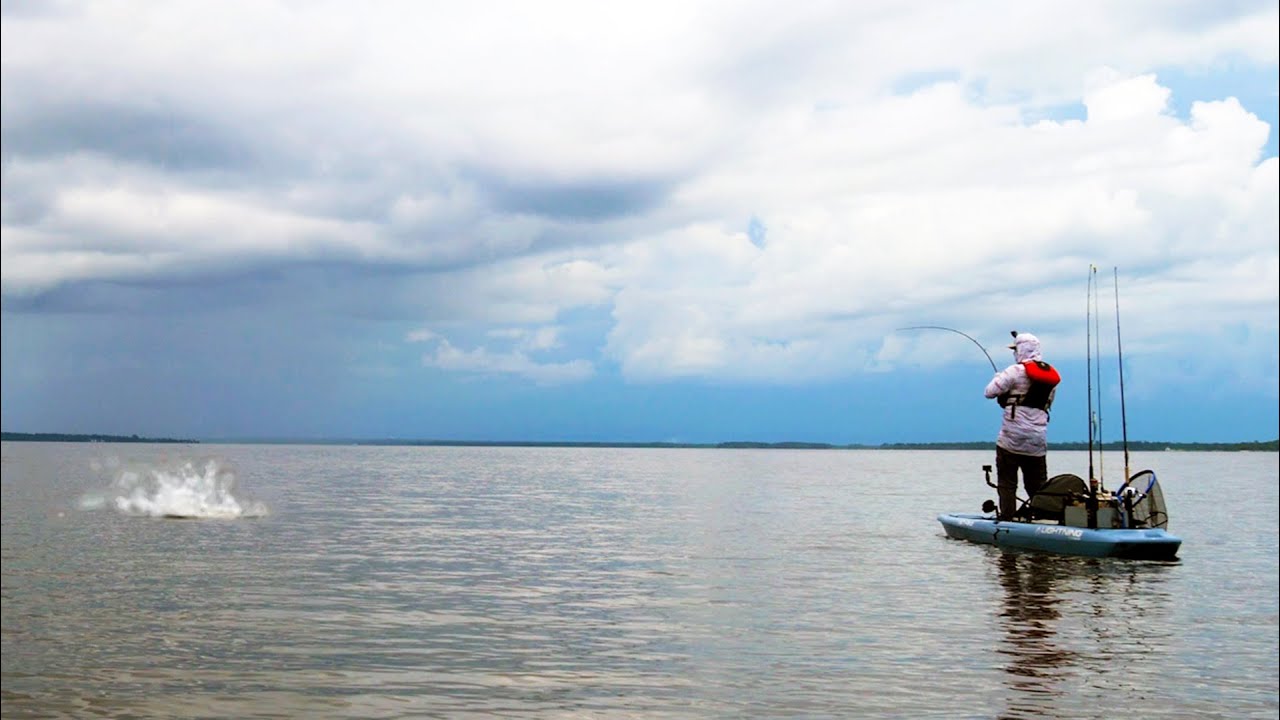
(1073,533)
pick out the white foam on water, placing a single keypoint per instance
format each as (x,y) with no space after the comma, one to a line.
(186,489)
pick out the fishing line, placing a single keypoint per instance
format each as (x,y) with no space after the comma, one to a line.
(975,342)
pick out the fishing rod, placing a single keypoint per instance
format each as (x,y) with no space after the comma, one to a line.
(975,342)
(1097,385)
(1124,422)
(1092,375)
(1088,361)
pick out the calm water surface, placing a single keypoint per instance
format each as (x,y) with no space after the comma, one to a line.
(376,582)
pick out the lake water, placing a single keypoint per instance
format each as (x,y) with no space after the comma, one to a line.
(419,582)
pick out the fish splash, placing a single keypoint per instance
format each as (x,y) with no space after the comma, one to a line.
(183,489)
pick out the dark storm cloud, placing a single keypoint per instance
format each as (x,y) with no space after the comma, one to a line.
(588,200)
(153,296)
(211,372)
(322,288)
(169,138)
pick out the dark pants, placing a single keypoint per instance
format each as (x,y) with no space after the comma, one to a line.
(1035,473)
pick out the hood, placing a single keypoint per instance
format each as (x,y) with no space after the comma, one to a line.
(1025,347)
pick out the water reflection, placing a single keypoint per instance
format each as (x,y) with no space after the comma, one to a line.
(1029,618)
(1070,628)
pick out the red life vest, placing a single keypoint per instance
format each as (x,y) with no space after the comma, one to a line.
(1044,378)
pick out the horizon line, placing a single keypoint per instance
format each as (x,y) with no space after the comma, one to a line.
(726,444)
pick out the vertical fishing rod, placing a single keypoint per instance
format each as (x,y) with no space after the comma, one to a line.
(1124,422)
(1091,324)
(1097,385)
(1088,361)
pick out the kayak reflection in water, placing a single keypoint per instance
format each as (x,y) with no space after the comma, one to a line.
(1029,618)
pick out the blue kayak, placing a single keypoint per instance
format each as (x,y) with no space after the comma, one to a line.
(1133,544)
(1127,523)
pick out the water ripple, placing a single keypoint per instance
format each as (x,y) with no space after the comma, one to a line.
(533,582)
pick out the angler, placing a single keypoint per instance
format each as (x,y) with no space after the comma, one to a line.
(1028,384)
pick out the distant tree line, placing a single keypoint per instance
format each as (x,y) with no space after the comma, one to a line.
(74,437)
(1136,445)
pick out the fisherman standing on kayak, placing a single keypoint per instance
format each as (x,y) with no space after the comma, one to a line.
(1025,390)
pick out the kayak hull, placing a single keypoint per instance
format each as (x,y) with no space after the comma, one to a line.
(1139,544)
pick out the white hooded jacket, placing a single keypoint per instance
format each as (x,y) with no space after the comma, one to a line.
(1024,430)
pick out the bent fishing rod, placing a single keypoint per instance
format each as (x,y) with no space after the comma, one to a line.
(975,342)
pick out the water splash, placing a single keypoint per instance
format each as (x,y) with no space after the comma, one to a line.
(182,489)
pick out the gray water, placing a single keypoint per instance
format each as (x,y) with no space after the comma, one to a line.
(390,582)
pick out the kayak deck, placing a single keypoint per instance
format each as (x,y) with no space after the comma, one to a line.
(1133,544)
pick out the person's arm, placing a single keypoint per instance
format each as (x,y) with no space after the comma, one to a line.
(1001,383)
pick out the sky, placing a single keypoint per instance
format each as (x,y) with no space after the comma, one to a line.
(637,222)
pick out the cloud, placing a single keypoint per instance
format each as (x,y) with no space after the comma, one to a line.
(741,195)
(585,199)
(136,226)
(516,362)
(537,339)
(985,219)
(174,139)
(519,343)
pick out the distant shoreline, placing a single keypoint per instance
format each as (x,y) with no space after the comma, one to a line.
(1139,446)
(75,437)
